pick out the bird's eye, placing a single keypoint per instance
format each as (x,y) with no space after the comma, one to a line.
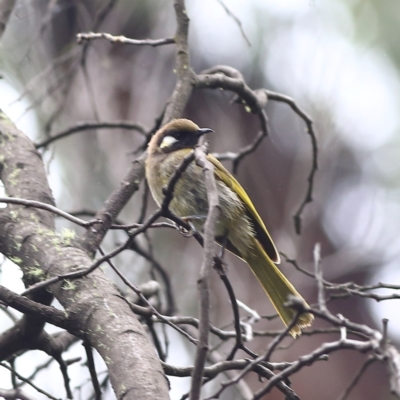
(178,135)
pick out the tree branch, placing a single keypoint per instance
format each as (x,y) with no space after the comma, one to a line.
(184,74)
(81,37)
(27,237)
(314,146)
(85,126)
(203,280)
(48,207)
(228,78)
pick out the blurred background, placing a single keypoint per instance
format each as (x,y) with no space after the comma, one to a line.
(339,60)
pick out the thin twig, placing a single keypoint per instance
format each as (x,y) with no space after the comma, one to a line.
(236,318)
(85,126)
(81,37)
(156,340)
(260,359)
(64,372)
(227,78)
(48,207)
(314,145)
(29,382)
(203,280)
(148,304)
(170,297)
(308,359)
(296,265)
(215,369)
(100,16)
(92,369)
(318,277)
(184,74)
(237,20)
(357,377)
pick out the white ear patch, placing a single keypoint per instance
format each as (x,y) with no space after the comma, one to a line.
(167,142)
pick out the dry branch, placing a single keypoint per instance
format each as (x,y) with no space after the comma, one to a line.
(203,280)
(81,37)
(27,237)
(85,126)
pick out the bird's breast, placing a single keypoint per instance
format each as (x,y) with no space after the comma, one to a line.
(190,198)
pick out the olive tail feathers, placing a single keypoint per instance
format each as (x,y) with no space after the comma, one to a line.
(277,287)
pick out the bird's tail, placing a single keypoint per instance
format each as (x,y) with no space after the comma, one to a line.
(277,287)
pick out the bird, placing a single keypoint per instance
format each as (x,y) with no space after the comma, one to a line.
(239,228)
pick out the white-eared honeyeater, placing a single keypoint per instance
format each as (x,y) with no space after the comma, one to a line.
(239,227)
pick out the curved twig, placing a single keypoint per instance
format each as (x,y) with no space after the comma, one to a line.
(84,126)
(49,207)
(314,146)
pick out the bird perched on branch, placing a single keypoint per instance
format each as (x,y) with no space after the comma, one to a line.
(239,227)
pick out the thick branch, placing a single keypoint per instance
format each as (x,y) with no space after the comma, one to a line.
(105,320)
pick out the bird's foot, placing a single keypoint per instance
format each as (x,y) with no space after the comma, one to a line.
(193,230)
(186,233)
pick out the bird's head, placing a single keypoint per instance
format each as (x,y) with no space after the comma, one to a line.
(177,134)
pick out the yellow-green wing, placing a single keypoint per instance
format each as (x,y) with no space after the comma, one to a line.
(261,231)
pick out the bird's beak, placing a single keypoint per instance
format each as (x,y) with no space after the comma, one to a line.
(203,131)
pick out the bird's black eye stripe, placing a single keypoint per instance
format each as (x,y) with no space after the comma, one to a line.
(177,134)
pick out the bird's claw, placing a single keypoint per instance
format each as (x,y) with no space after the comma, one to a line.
(186,233)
